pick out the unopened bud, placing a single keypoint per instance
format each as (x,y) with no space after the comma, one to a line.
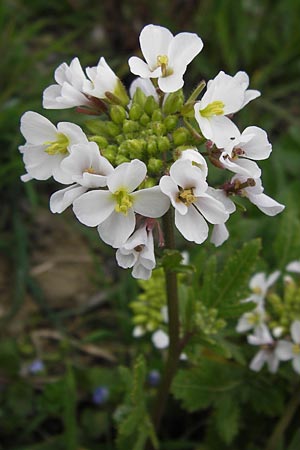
(100,141)
(112,129)
(157,116)
(117,114)
(129,126)
(144,119)
(139,97)
(181,136)
(159,129)
(149,182)
(135,111)
(171,122)
(163,144)
(152,146)
(109,154)
(150,105)
(136,148)
(121,159)
(173,102)
(155,165)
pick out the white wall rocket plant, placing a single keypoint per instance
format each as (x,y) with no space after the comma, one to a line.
(144,157)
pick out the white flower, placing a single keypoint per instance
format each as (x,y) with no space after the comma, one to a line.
(113,210)
(293,266)
(255,194)
(86,166)
(62,199)
(160,339)
(188,194)
(166,56)
(252,319)
(220,232)
(252,144)
(68,92)
(287,350)
(197,160)
(102,81)
(224,95)
(259,285)
(47,146)
(266,354)
(138,252)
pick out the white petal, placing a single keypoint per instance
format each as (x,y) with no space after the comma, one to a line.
(183,49)
(196,157)
(94,207)
(295,331)
(192,225)
(242,166)
(160,339)
(220,195)
(141,272)
(50,96)
(284,350)
(293,266)
(223,130)
(272,278)
(258,360)
(124,260)
(62,199)
(145,85)
(243,324)
(151,202)
(258,147)
(186,175)
(154,41)
(273,362)
(139,67)
(36,129)
(213,210)
(250,94)
(117,228)
(171,83)
(169,187)
(266,204)
(127,176)
(219,234)
(296,364)
(73,132)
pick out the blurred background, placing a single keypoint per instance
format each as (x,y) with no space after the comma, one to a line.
(65,321)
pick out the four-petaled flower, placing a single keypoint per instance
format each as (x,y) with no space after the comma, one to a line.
(262,337)
(113,210)
(225,95)
(167,56)
(187,190)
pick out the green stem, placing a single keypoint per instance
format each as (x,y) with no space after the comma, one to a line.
(173,318)
(284,421)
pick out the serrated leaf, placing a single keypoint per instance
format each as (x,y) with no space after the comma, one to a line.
(208,290)
(233,281)
(227,415)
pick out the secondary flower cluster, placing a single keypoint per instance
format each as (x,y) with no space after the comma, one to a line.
(147,150)
(274,322)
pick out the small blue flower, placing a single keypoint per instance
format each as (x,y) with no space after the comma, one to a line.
(154,378)
(100,395)
(36,366)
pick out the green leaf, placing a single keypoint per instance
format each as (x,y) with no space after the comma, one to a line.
(227,418)
(295,443)
(209,286)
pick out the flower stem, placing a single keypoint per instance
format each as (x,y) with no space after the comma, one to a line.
(173,316)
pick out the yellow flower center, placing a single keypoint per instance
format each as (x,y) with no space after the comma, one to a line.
(60,146)
(123,200)
(253,318)
(90,170)
(215,108)
(296,349)
(257,290)
(163,61)
(186,196)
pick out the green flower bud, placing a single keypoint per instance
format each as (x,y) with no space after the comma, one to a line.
(150,105)
(110,153)
(135,111)
(112,129)
(121,159)
(163,144)
(171,122)
(155,166)
(144,119)
(149,182)
(181,136)
(139,97)
(173,102)
(117,114)
(118,96)
(100,140)
(136,148)
(157,116)
(124,149)
(152,146)
(159,129)
(129,126)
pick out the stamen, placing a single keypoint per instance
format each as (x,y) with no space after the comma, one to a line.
(296,349)
(123,201)
(215,108)
(163,61)
(186,196)
(60,146)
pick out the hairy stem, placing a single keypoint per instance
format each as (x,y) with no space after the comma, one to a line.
(285,420)
(173,316)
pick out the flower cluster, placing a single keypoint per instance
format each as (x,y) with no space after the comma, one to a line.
(274,323)
(147,150)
